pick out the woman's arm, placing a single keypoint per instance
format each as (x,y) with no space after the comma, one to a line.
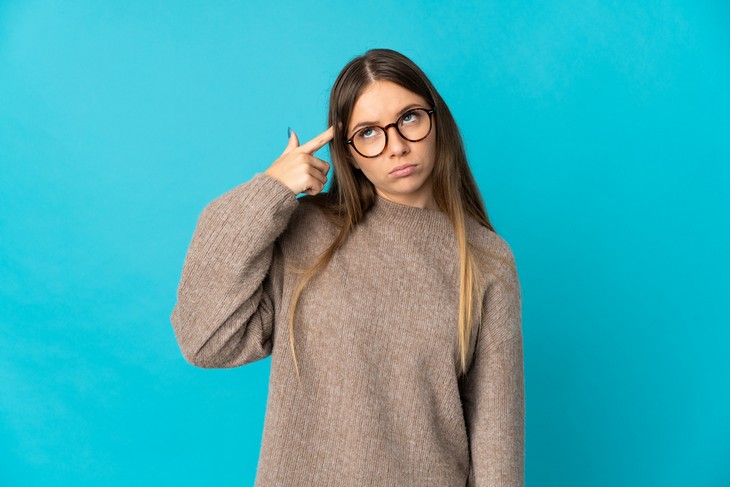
(232,276)
(494,393)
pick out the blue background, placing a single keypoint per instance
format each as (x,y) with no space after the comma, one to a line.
(600,136)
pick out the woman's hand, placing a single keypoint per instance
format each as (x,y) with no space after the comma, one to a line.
(297,167)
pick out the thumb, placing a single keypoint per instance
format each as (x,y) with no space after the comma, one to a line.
(293,141)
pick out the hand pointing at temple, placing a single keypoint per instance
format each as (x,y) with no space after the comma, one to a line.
(297,167)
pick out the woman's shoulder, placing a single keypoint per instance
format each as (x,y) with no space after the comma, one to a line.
(488,240)
(310,228)
(313,212)
(493,252)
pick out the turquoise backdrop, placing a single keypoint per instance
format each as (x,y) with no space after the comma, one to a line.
(599,132)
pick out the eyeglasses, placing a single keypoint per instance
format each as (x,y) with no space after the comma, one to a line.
(413,125)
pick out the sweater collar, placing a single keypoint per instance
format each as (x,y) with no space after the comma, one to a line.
(411,218)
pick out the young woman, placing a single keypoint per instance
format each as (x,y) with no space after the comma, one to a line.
(390,307)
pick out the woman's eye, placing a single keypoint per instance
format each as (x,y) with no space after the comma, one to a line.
(365,133)
(413,115)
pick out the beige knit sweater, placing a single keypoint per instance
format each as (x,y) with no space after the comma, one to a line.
(380,403)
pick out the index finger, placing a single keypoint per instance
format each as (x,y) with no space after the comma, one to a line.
(319,141)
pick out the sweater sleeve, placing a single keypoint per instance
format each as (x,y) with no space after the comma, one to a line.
(493,398)
(232,276)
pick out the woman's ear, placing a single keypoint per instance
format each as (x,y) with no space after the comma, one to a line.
(353,162)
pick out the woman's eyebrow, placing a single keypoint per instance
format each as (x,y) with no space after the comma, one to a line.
(361,124)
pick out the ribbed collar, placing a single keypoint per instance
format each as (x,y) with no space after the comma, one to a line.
(409,218)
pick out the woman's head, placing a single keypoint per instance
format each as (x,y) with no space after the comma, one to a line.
(374,87)
(410,141)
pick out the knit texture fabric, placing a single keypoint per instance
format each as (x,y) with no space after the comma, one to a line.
(380,402)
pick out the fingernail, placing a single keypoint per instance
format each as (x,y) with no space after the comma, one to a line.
(288,132)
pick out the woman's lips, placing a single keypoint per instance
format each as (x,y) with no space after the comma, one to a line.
(404,171)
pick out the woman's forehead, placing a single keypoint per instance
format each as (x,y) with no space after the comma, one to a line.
(381,101)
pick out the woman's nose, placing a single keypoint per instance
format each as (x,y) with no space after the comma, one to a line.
(396,143)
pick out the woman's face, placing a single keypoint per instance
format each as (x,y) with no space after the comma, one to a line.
(383,102)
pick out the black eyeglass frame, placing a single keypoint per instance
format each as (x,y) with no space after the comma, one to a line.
(385,130)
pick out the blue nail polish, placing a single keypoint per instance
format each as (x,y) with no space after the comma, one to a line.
(288,132)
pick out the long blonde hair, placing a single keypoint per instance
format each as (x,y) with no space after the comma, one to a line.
(351,194)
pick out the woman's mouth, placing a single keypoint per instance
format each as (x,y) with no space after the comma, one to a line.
(403,170)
